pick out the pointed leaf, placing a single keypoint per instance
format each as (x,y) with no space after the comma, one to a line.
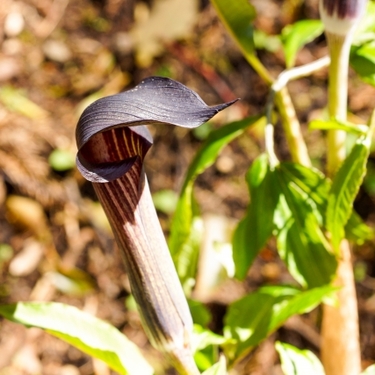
(295,361)
(87,333)
(295,36)
(358,231)
(300,239)
(238,16)
(256,227)
(338,125)
(311,182)
(214,144)
(317,186)
(345,186)
(218,368)
(255,316)
(362,60)
(204,338)
(181,226)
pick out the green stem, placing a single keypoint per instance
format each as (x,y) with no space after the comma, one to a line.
(340,328)
(339,47)
(256,64)
(292,128)
(291,125)
(296,143)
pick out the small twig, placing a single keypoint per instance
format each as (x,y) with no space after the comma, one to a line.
(276,88)
(300,71)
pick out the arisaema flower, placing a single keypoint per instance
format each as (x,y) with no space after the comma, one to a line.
(112,143)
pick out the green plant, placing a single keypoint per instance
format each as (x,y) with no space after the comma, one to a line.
(308,212)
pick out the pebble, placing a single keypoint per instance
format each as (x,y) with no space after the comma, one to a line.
(57,51)
(9,68)
(27,260)
(14,24)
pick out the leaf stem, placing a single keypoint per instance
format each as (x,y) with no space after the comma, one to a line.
(280,94)
(339,47)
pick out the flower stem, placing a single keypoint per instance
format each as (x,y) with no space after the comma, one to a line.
(340,328)
(339,47)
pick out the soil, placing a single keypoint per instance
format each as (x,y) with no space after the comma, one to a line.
(55,57)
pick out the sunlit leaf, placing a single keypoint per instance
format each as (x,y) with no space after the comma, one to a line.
(218,368)
(256,227)
(310,182)
(366,28)
(87,333)
(300,239)
(252,318)
(165,201)
(357,231)
(61,160)
(238,17)
(16,100)
(200,313)
(181,227)
(338,125)
(206,345)
(262,40)
(296,362)
(316,186)
(204,337)
(295,36)
(345,186)
(362,60)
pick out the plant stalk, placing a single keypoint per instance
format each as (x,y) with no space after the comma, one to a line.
(340,328)
(292,128)
(165,314)
(339,47)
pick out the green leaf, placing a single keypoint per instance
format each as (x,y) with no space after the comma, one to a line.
(362,54)
(215,142)
(15,100)
(165,201)
(199,312)
(296,362)
(271,43)
(362,60)
(87,333)
(316,186)
(256,227)
(365,30)
(205,344)
(295,36)
(338,125)
(218,368)
(300,239)
(202,338)
(345,186)
(255,316)
(357,231)
(310,181)
(369,371)
(238,17)
(182,222)
(61,160)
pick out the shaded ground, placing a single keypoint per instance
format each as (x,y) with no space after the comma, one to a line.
(64,52)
